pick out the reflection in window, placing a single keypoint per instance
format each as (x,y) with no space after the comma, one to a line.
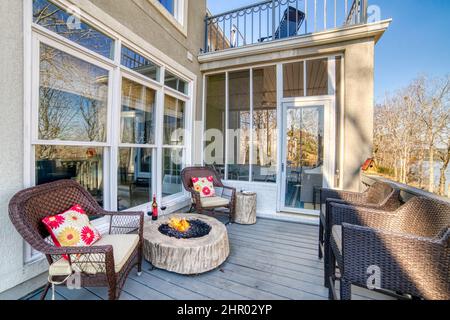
(176,83)
(85,165)
(293,80)
(134,177)
(138,113)
(169,5)
(239,126)
(214,152)
(174,121)
(140,64)
(72,98)
(52,17)
(264,168)
(172,166)
(317,77)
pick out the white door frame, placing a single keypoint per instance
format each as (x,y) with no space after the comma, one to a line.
(329,146)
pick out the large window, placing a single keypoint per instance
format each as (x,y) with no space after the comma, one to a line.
(264,168)
(100,117)
(72,98)
(215,119)
(69,25)
(241,115)
(173,145)
(238,133)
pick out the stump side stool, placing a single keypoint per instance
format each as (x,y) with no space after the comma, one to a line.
(245,212)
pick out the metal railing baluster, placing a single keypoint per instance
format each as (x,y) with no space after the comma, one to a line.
(224,30)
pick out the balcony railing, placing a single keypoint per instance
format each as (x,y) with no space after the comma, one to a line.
(279,19)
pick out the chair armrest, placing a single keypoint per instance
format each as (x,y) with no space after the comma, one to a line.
(339,195)
(407,263)
(125,222)
(338,213)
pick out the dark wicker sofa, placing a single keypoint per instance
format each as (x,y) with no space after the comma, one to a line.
(99,265)
(409,247)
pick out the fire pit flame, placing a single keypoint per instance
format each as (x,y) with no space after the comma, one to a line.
(180,225)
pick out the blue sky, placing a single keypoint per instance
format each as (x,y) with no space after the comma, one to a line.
(418,41)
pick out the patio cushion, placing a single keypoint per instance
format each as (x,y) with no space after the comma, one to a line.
(205,186)
(337,237)
(214,202)
(123,246)
(71,228)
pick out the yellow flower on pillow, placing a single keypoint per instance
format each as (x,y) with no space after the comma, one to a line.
(69,237)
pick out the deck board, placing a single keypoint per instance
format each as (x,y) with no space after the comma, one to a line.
(271,260)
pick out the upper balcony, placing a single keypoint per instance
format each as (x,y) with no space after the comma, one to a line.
(274,20)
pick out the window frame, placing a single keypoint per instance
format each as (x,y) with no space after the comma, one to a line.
(180,17)
(280,100)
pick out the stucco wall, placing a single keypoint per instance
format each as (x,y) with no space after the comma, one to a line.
(358,110)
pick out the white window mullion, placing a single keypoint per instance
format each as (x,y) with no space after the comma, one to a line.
(159,139)
(251,156)
(227,99)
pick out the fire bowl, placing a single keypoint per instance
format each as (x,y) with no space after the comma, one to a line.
(168,249)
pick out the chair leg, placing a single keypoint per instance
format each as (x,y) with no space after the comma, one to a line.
(346,289)
(330,275)
(327,253)
(46,288)
(192,208)
(320,239)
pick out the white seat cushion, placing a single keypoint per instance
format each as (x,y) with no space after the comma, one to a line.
(214,202)
(123,246)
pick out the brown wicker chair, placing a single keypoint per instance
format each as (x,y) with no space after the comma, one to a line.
(380,195)
(411,248)
(226,199)
(96,263)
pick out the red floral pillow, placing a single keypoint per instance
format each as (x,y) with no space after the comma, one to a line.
(204,186)
(71,228)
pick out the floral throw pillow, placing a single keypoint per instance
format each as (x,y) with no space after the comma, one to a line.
(71,228)
(205,186)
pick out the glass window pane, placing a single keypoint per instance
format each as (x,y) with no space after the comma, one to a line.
(239,126)
(134,177)
(264,168)
(140,64)
(317,77)
(293,80)
(85,165)
(169,5)
(73,98)
(214,153)
(174,121)
(172,166)
(138,113)
(176,83)
(52,17)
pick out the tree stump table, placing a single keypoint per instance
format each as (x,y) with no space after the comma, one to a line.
(245,212)
(186,256)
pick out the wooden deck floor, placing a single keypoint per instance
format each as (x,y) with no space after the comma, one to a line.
(271,260)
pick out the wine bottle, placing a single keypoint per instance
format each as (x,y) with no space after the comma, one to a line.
(154,209)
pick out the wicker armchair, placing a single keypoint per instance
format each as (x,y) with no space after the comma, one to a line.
(226,199)
(104,263)
(410,246)
(380,195)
